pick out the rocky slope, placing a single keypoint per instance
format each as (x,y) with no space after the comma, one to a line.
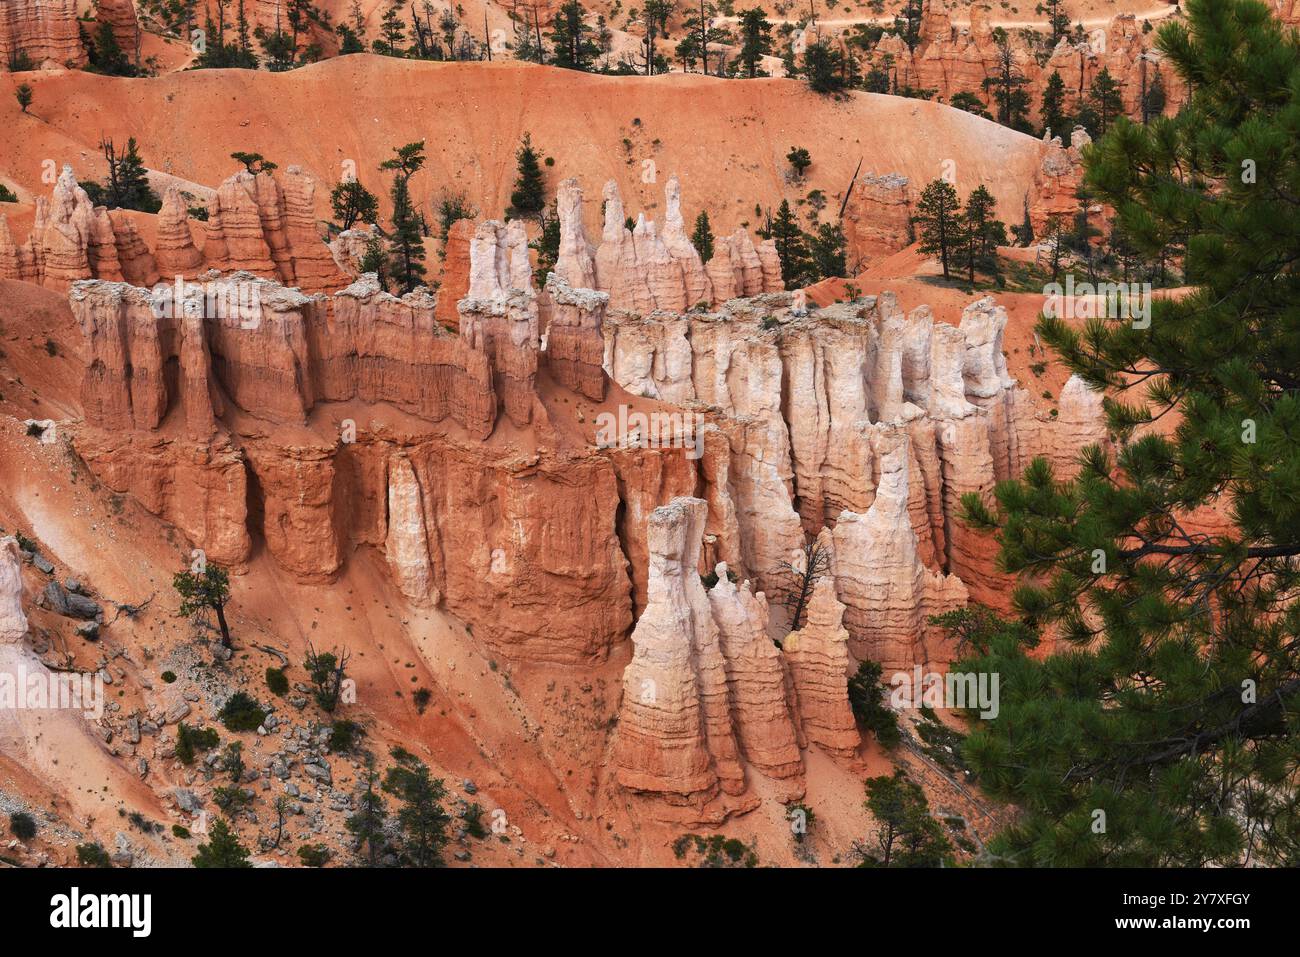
(552,517)
(728,159)
(492,495)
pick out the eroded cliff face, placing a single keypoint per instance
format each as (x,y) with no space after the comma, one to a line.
(803,420)
(200,403)
(814,405)
(47,719)
(481,466)
(950,59)
(256,223)
(650,267)
(45,31)
(705,694)
(121,19)
(73,239)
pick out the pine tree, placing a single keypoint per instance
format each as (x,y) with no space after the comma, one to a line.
(422,819)
(906,834)
(701,35)
(868,697)
(367,824)
(654,18)
(702,237)
(799,159)
(1057,20)
(23,93)
(223,849)
(1163,733)
(908,25)
(392,32)
(755,40)
(406,239)
(1052,110)
(938,213)
(547,243)
(1007,85)
(106,54)
(254,163)
(353,203)
(827,252)
(127,184)
(375,260)
(791,246)
(1105,100)
(983,233)
(529,195)
(824,67)
(244,37)
(1024,233)
(349,41)
(1153,100)
(968,101)
(208,587)
(571,45)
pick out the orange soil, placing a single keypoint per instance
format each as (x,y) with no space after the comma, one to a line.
(726,140)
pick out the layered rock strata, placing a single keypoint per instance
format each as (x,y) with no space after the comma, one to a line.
(702,670)
(819,410)
(73,239)
(256,223)
(499,313)
(121,19)
(647,267)
(819,662)
(43,31)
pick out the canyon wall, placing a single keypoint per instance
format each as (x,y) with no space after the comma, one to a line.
(231,409)
(821,409)
(44,31)
(806,420)
(121,17)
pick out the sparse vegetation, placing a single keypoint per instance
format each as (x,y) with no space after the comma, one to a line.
(92,854)
(802,576)
(353,203)
(405,261)
(223,849)
(314,855)
(344,735)
(327,672)
(715,850)
(241,713)
(867,696)
(472,815)
(22,825)
(277,682)
(208,587)
(420,815)
(367,823)
(192,741)
(529,195)
(906,836)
